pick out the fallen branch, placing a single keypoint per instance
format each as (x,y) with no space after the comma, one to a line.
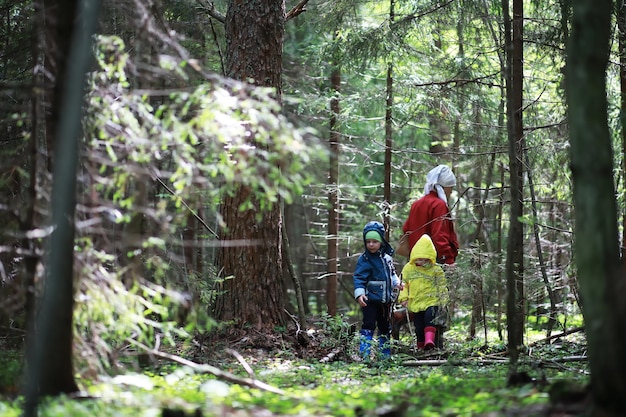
(577,358)
(556,336)
(470,361)
(331,355)
(439,362)
(208,369)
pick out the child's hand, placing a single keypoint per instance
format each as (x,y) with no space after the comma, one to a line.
(400,286)
(404,303)
(449,267)
(362,300)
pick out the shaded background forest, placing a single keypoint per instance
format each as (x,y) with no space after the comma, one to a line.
(149,191)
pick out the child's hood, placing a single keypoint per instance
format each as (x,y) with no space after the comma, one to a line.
(424,248)
(380,229)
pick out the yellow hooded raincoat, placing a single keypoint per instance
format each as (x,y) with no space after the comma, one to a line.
(423,286)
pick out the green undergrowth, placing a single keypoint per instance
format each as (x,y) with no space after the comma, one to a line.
(310,388)
(468,379)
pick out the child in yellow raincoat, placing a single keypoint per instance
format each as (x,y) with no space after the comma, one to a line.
(425,292)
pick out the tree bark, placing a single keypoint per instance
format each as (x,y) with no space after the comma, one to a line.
(333,196)
(500,282)
(59,18)
(542,265)
(50,370)
(297,282)
(255,32)
(602,283)
(388,134)
(253,269)
(621,34)
(37,137)
(515,249)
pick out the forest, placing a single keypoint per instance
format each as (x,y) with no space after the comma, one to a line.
(185,185)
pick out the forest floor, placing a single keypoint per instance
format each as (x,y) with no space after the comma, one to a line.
(321,374)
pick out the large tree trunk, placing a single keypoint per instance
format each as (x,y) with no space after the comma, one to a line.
(50,356)
(53,328)
(515,249)
(59,18)
(602,283)
(254,295)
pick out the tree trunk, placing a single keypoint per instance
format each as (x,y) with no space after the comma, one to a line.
(296,228)
(515,249)
(388,149)
(500,282)
(333,197)
(36,140)
(59,18)
(253,267)
(297,282)
(602,283)
(505,65)
(50,356)
(540,259)
(388,134)
(621,24)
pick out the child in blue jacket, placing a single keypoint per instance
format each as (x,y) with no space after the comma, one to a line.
(376,286)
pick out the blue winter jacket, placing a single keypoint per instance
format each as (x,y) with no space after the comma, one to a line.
(374,274)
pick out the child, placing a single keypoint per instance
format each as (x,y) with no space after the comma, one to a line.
(425,291)
(375,280)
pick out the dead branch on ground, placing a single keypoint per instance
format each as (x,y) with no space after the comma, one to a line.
(208,369)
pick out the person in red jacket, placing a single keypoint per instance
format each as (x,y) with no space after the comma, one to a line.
(431,215)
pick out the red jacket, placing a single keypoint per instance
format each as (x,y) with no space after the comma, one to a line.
(431,215)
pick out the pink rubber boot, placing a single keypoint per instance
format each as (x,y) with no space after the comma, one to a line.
(429,335)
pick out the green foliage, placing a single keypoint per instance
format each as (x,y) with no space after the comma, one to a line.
(12,370)
(312,389)
(473,382)
(216,136)
(334,330)
(108,315)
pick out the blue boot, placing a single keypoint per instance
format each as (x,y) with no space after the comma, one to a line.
(384,348)
(365,344)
